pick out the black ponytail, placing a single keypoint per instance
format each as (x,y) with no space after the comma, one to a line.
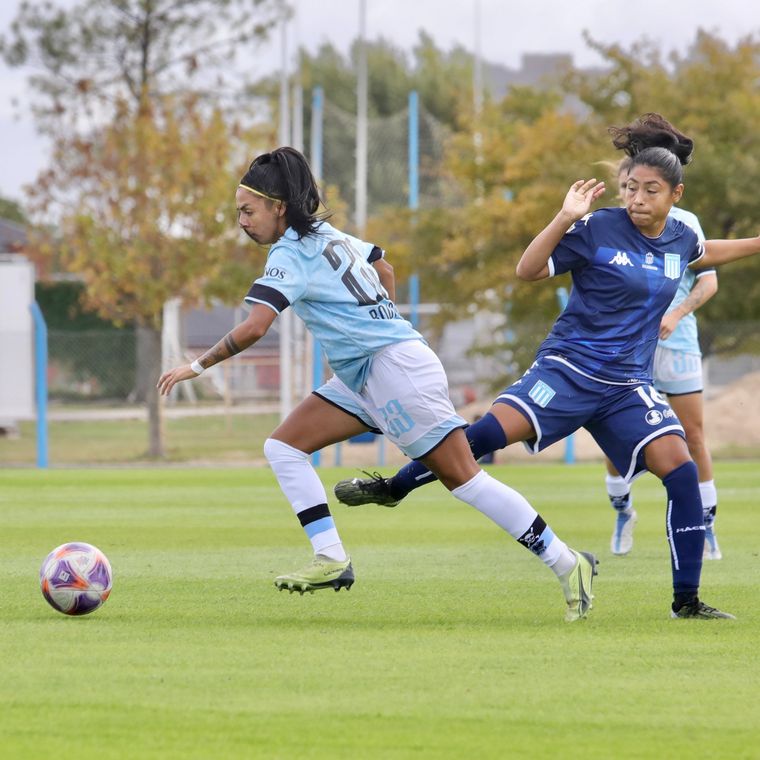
(284,175)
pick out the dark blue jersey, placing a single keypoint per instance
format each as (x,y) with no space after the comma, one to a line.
(623,283)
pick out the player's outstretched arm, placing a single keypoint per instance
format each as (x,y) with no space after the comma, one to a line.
(704,289)
(238,339)
(719,252)
(533,264)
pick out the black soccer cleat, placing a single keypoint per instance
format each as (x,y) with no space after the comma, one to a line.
(700,611)
(373,489)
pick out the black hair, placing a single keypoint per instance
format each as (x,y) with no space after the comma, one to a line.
(624,165)
(284,175)
(653,141)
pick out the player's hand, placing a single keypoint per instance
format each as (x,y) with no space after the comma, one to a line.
(171,377)
(669,323)
(581,196)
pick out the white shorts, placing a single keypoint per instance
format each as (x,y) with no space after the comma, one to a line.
(406,397)
(677,372)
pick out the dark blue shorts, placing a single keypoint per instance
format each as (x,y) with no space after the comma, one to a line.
(559,398)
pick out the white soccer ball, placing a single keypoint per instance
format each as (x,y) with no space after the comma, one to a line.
(76,578)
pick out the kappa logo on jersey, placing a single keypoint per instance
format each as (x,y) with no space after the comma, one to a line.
(672,266)
(621,259)
(582,220)
(542,394)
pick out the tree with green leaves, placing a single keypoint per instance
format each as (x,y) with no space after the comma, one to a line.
(508,181)
(711,94)
(536,141)
(89,58)
(443,81)
(132,93)
(12,211)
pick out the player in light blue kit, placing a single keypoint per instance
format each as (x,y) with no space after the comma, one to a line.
(594,368)
(386,378)
(678,374)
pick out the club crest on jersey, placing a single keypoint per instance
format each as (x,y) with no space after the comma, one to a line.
(541,393)
(672,266)
(621,259)
(649,262)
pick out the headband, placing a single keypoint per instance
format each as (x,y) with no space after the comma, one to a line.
(258,192)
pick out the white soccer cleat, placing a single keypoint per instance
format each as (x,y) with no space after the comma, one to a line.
(712,550)
(622,537)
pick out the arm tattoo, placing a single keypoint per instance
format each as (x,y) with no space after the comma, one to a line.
(696,297)
(224,349)
(231,345)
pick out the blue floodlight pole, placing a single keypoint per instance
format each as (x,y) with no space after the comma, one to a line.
(414,193)
(41,390)
(316,148)
(570,440)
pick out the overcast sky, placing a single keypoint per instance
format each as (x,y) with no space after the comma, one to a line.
(508,29)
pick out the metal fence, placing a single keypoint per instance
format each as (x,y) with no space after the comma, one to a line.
(91,364)
(101,365)
(387,158)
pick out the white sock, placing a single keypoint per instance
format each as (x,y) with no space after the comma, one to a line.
(512,512)
(304,490)
(334,551)
(617,487)
(709,495)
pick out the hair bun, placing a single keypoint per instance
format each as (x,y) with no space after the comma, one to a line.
(651,130)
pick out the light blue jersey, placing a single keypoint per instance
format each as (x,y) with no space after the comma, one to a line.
(685,337)
(329,280)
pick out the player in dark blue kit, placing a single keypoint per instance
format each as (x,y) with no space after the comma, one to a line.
(594,368)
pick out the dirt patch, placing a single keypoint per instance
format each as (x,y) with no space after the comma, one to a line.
(732,414)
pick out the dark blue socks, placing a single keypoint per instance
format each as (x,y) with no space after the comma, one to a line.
(685,528)
(485,435)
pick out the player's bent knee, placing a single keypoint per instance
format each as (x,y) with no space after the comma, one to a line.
(452,461)
(665,454)
(453,472)
(456,480)
(277,451)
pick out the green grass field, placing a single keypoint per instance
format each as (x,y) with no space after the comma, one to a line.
(450,645)
(233,439)
(224,439)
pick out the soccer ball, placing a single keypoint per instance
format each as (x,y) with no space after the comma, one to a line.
(76,578)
